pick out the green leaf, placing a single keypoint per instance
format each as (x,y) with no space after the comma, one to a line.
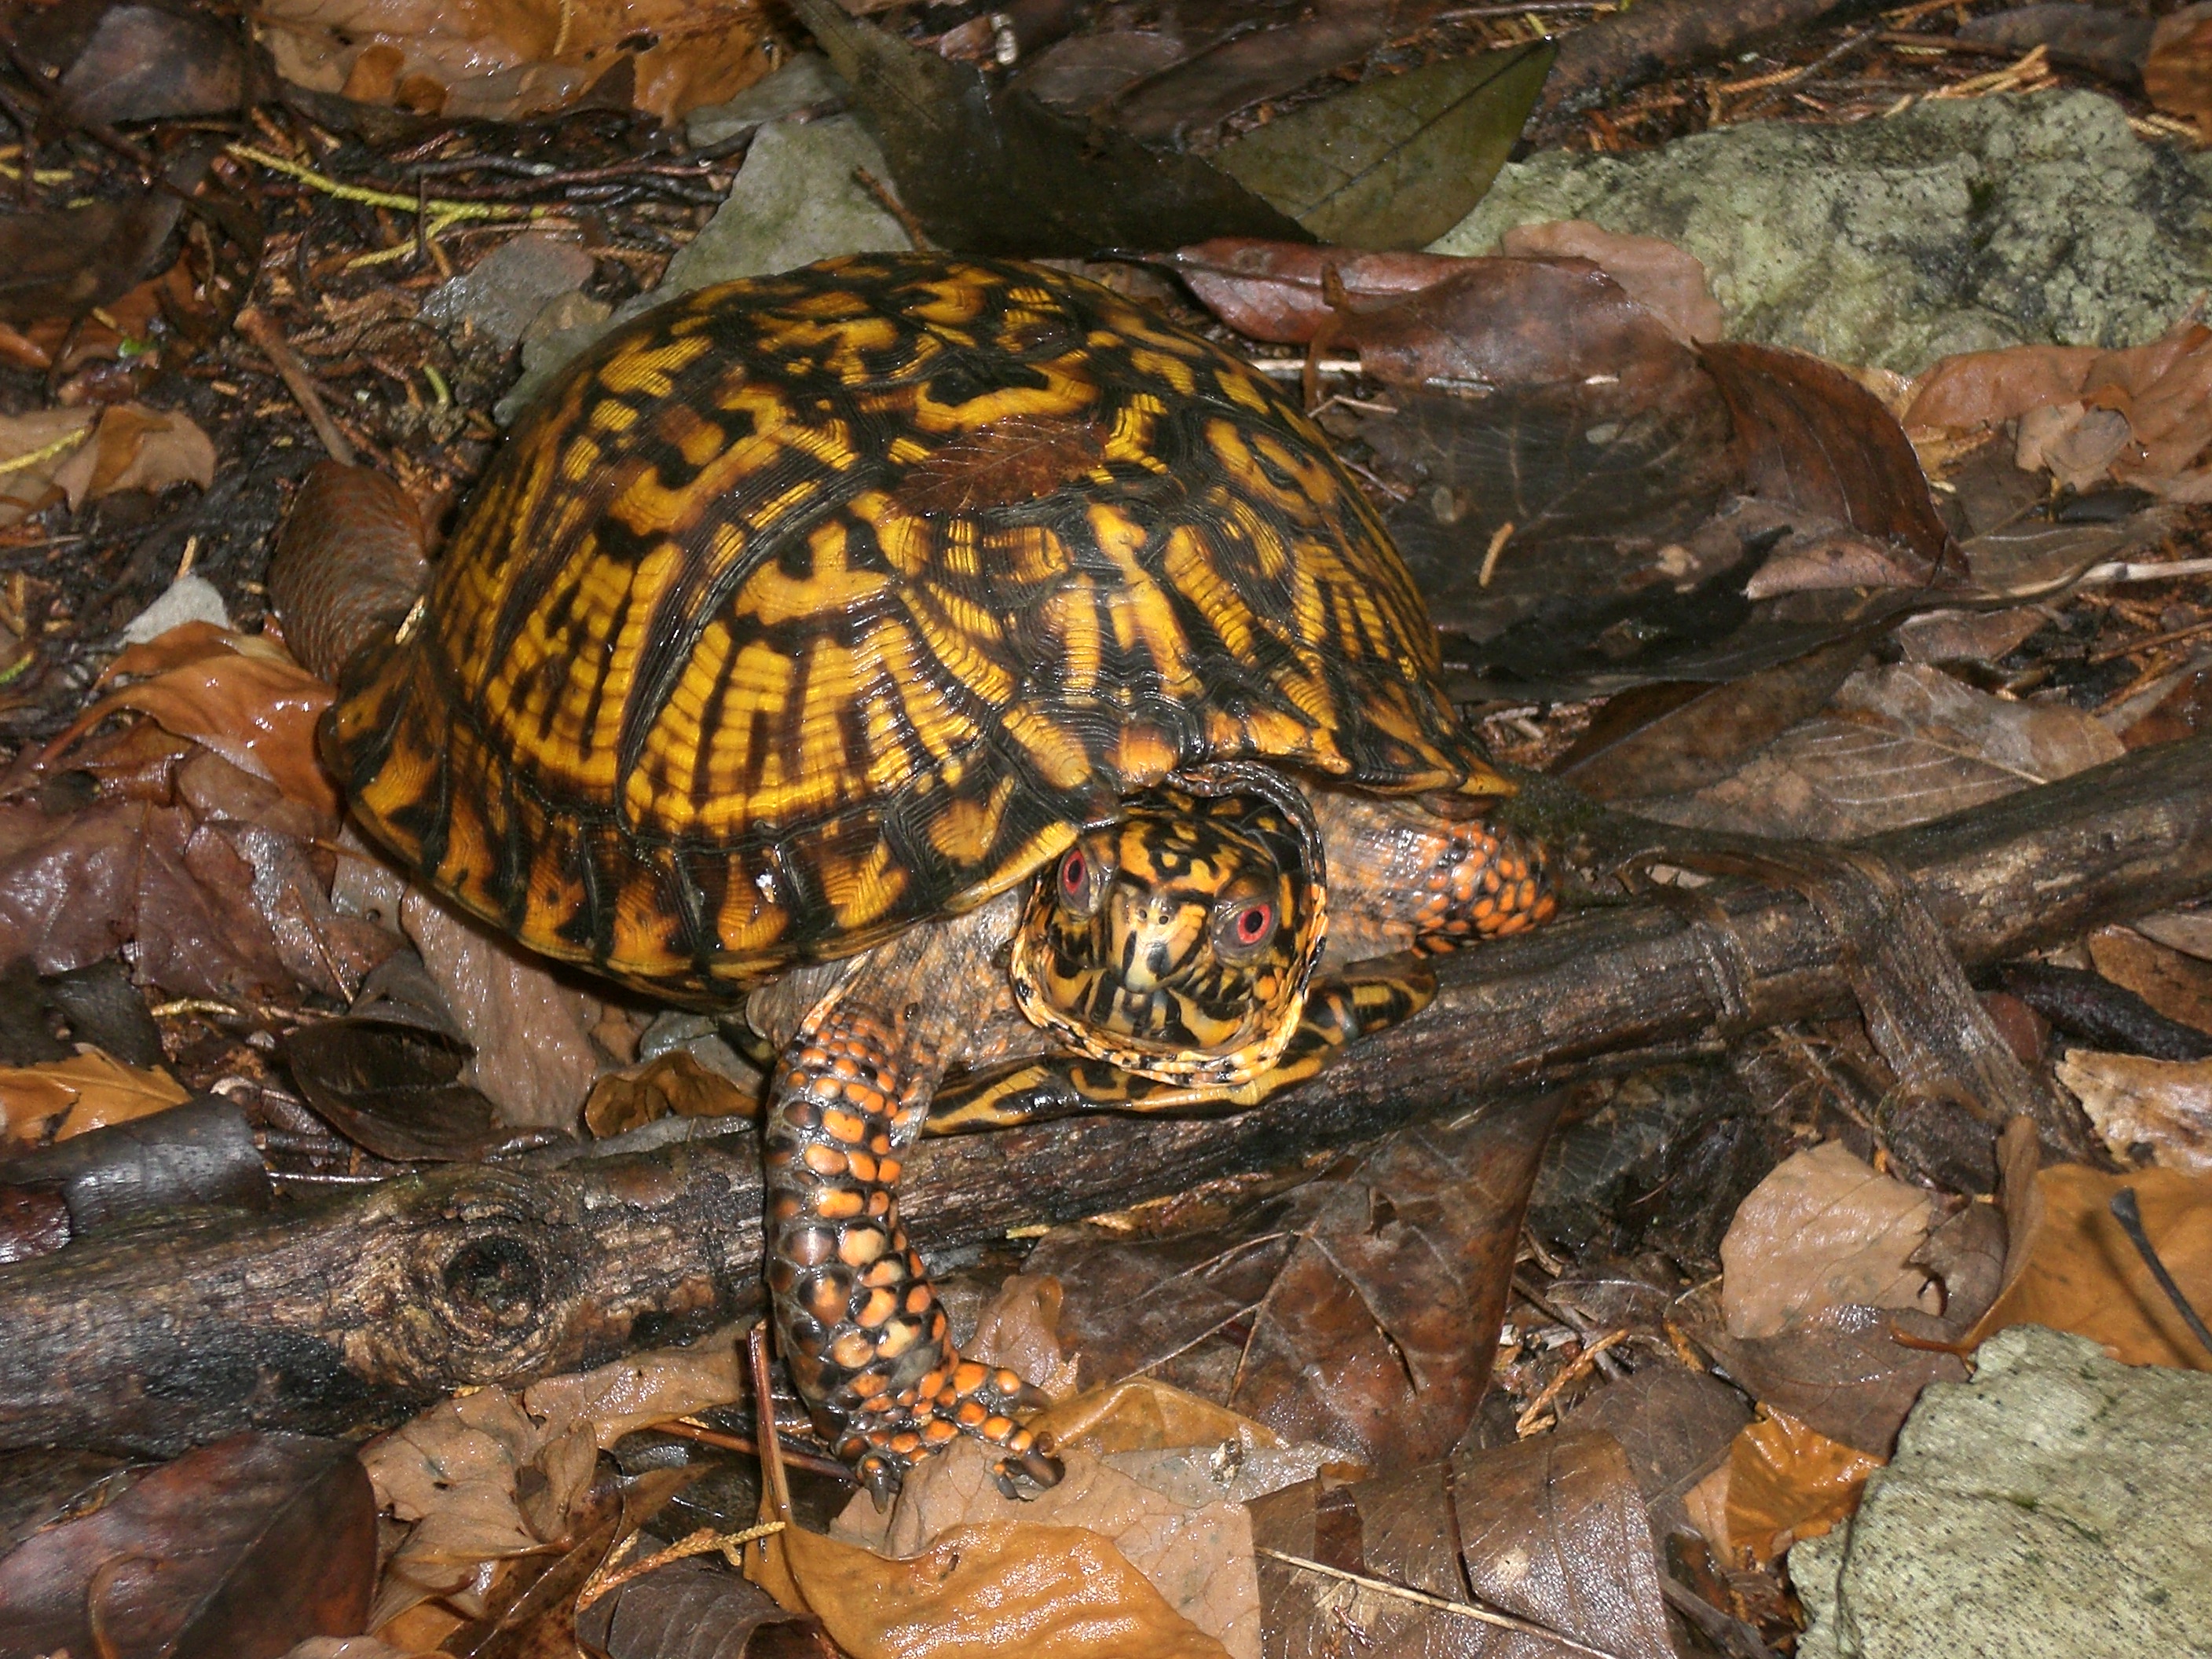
(990,170)
(1400,160)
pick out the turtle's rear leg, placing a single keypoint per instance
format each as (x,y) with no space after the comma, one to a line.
(858,1325)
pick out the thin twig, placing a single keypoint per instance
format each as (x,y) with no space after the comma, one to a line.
(2173,636)
(2129,1213)
(891,204)
(258,327)
(1457,1609)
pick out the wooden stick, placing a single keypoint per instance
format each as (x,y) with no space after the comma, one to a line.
(365,1305)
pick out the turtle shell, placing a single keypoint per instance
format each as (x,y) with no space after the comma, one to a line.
(807,608)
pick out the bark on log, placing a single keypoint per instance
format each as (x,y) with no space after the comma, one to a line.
(357,1309)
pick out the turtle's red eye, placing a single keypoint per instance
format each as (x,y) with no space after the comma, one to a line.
(1075,873)
(1245,928)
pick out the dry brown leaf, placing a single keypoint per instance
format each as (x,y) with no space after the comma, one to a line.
(2178,74)
(1662,279)
(1198,1559)
(504,59)
(1783,1482)
(1141,1415)
(1904,744)
(632,1393)
(1823,1230)
(2163,1105)
(2177,984)
(256,709)
(65,1097)
(535,1056)
(2068,1265)
(84,452)
(671,1085)
(1019,1329)
(2141,415)
(979,1592)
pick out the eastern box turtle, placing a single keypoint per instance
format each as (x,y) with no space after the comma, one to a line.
(1010,683)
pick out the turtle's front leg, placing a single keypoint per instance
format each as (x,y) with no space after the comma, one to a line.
(860,1330)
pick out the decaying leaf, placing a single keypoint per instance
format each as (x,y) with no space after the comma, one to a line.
(2068,1264)
(989,170)
(1665,280)
(1359,1311)
(1055,1592)
(1900,745)
(64,1098)
(1783,1481)
(246,1546)
(505,59)
(2165,1105)
(2178,71)
(673,1084)
(80,453)
(2139,415)
(1276,290)
(1823,1230)
(1400,159)
(232,693)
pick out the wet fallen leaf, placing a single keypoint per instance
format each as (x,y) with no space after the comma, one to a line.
(256,711)
(244,1546)
(1824,1230)
(65,1097)
(1840,1370)
(2165,1105)
(671,1085)
(1900,745)
(1222,70)
(505,59)
(1783,1481)
(1665,280)
(689,1607)
(2070,1267)
(144,62)
(1551,1530)
(1675,1426)
(394,1091)
(1360,1311)
(1818,439)
(1673,736)
(533,1032)
(1400,159)
(70,884)
(1019,1329)
(64,261)
(1275,290)
(988,170)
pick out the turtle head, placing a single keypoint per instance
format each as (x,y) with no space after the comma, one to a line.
(1177,941)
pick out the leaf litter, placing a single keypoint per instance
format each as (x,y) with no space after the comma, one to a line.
(1744,542)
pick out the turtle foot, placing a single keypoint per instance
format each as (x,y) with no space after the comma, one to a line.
(966,1398)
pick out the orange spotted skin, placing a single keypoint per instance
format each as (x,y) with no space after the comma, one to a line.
(856,1320)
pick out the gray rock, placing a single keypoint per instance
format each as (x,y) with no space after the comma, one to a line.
(795,201)
(1956,226)
(500,295)
(188,599)
(2056,1507)
(806,83)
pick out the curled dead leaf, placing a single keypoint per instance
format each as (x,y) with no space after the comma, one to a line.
(65,1097)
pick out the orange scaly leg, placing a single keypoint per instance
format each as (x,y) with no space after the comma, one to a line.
(858,1325)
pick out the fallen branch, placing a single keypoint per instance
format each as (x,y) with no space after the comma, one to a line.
(359,1307)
